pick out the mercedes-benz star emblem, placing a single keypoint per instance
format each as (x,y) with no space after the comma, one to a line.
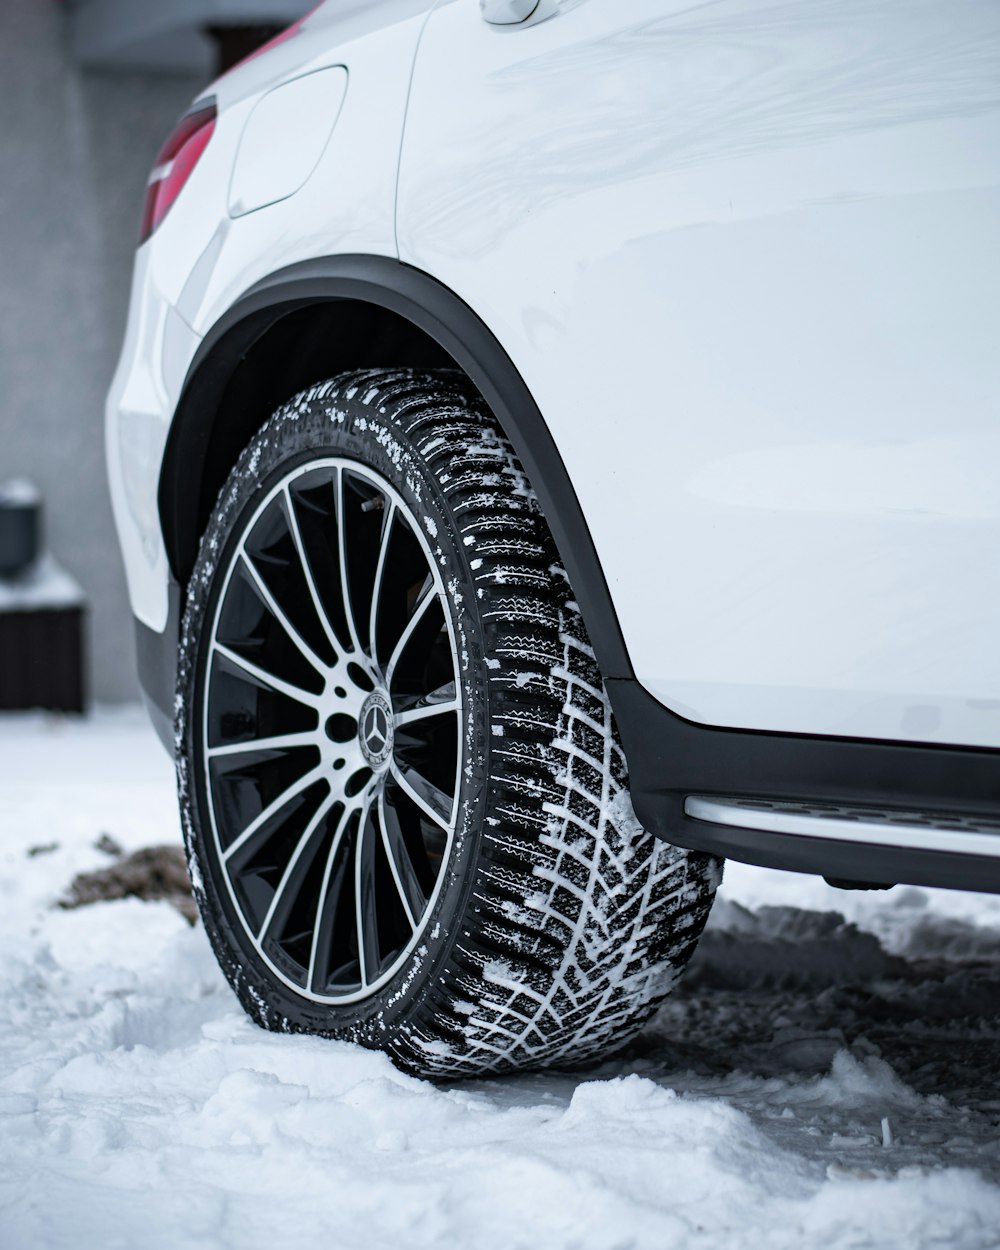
(375,729)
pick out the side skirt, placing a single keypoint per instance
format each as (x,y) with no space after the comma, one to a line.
(673,761)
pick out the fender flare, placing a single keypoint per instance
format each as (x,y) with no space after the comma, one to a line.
(444,317)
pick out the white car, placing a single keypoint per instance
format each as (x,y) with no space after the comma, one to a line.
(555,447)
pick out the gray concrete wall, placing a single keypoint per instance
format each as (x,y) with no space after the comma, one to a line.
(75,150)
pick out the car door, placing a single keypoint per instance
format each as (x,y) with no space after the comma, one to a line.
(746,256)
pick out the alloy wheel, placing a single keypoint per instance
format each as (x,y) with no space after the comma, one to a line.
(331,730)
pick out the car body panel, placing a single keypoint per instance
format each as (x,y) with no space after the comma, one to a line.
(200,260)
(727,277)
(747,260)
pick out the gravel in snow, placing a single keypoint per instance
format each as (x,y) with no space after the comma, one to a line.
(826,1076)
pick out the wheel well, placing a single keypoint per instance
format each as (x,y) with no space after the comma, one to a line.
(320,317)
(253,368)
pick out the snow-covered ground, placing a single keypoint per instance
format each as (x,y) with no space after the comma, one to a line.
(815,1082)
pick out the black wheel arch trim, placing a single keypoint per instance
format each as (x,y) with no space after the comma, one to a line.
(455,327)
(669,756)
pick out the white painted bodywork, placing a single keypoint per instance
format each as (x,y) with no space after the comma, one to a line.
(746,257)
(201,259)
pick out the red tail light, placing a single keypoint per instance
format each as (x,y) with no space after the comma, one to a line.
(174,163)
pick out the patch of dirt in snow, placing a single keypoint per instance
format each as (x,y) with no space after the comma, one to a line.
(152,874)
(825,1076)
(810,1025)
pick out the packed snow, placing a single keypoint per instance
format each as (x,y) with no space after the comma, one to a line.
(42,586)
(826,1076)
(18,492)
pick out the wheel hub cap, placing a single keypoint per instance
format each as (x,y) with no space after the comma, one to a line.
(375,733)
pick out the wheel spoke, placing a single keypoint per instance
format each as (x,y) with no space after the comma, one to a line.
(281,742)
(278,613)
(309,873)
(264,678)
(364,900)
(296,533)
(424,710)
(345,589)
(420,608)
(388,517)
(410,893)
(275,806)
(324,892)
(434,803)
(286,876)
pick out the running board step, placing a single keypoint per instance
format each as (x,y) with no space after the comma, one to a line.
(915,830)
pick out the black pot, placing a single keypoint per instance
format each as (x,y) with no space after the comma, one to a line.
(20,527)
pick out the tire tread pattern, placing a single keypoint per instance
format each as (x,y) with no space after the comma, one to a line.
(578,921)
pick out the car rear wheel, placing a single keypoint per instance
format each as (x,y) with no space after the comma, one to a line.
(404,801)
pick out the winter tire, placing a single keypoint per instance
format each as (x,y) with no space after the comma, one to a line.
(404,801)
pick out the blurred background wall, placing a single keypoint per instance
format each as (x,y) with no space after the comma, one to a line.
(88,92)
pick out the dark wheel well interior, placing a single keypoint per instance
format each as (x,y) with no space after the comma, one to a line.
(321,317)
(255,366)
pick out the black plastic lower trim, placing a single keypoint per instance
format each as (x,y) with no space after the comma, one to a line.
(846,861)
(670,758)
(156,658)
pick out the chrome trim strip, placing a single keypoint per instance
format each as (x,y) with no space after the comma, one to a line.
(914,837)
